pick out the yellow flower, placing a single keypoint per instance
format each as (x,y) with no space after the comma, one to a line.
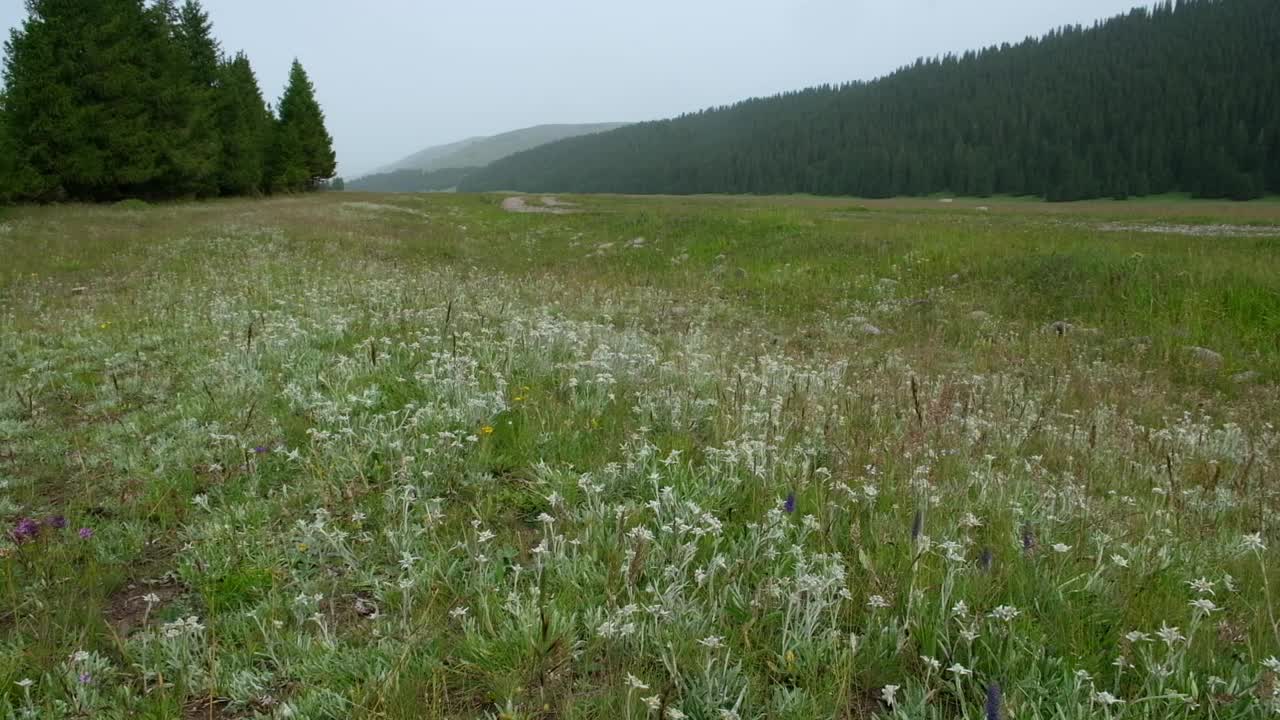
(302,547)
(519,398)
(486,430)
(105,325)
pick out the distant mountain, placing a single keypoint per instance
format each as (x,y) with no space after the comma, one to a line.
(480,151)
(1181,96)
(410,180)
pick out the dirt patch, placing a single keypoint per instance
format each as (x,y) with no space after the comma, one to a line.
(550,205)
(128,608)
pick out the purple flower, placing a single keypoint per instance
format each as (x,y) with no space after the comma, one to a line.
(260,449)
(994,698)
(86,533)
(85,678)
(790,505)
(985,559)
(57,522)
(25,531)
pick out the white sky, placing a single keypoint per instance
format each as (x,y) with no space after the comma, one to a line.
(395,76)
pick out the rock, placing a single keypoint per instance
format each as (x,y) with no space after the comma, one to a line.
(1204,357)
(982,208)
(1059,327)
(980,316)
(867,328)
(1246,377)
(947,200)
(1135,341)
(78,290)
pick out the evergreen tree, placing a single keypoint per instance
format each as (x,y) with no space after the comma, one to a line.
(246,127)
(302,155)
(192,33)
(105,121)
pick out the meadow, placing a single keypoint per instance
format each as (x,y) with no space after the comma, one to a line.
(412,456)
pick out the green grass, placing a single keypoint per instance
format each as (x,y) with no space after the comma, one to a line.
(360,456)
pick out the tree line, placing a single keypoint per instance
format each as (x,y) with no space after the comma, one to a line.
(111,99)
(411,180)
(1176,97)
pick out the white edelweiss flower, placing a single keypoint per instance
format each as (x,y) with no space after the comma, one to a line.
(890,695)
(960,609)
(1253,542)
(653,701)
(970,521)
(713,642)
(1005,612)
(545,519)
(1137,636)
(1170,635)
(1119,561)
(877,601)
(79,656)
(25,683)
(151,598)
(959,670)
(1084,676)
(1060,548)
(1204,586)
(1106,698)
(459,612)
(675,714)
(636,683)
(932,662)
(1203,606)
(1272,664)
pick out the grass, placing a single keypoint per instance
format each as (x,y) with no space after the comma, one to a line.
(360,456)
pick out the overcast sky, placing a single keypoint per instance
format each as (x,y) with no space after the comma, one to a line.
(395,76)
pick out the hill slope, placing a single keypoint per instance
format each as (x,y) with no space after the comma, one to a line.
(410,180)
(1154,101)
(480,151)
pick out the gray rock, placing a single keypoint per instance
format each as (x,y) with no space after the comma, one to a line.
(867,328)
(1059,327)
(1246,377)
(980,316)
(1204,357)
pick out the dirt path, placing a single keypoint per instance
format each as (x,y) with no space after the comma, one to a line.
(550,204)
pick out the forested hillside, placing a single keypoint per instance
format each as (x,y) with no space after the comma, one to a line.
(120,98)
(410,180)
(480,151)
(1181,97)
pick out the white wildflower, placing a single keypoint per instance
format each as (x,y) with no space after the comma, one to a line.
(890,695)
(1106,698)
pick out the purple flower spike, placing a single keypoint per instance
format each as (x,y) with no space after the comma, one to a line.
(57,522)
(86,533)
(261,449)
(790,505)
(995,699)
(86,679)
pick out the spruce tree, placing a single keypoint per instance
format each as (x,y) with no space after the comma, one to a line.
(302,154)
(201,57)
(246,127)
(105,121)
